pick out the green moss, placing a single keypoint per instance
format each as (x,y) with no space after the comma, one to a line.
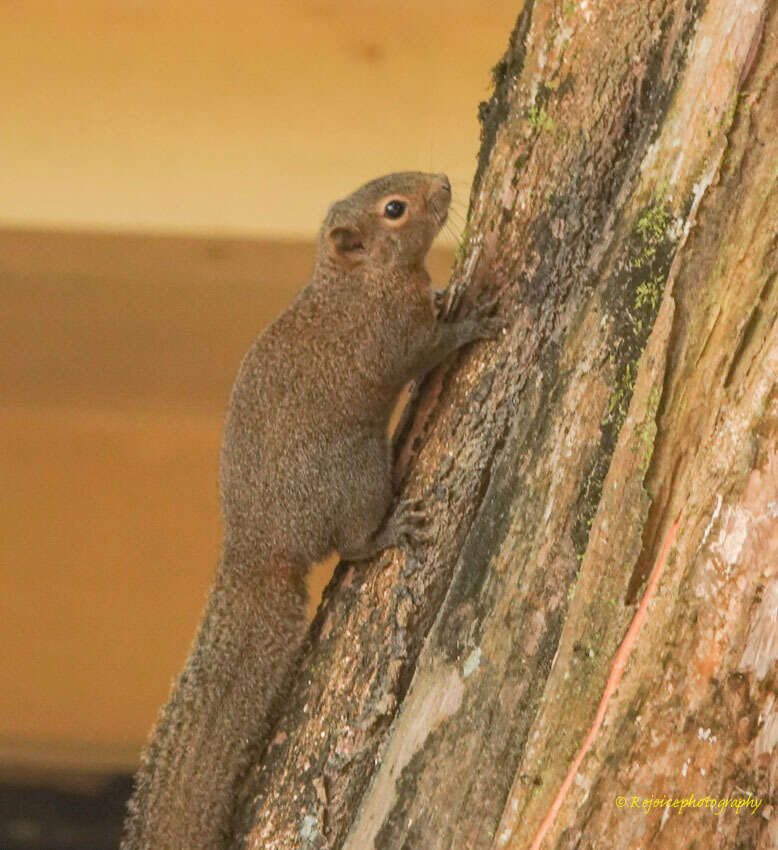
(725,122)
(645,435)
(631,296)
(539,119)
(652,225)
(649,292)
(647,265)
(571,591)
(621,395)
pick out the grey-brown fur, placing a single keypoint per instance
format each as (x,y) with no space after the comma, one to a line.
(305,469)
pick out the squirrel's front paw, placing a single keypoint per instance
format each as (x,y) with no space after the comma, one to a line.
(490,327)
(485,320)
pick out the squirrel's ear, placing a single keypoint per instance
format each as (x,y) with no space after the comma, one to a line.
(346,243)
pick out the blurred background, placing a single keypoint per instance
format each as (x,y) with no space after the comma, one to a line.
(164,167)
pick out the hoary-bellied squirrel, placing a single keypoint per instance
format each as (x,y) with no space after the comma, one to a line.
(305,470)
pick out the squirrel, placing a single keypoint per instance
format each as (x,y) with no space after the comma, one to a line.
(305,469)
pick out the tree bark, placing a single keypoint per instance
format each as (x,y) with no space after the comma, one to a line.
(593,620)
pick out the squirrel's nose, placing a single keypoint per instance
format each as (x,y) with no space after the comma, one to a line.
(443,183)
(440,198)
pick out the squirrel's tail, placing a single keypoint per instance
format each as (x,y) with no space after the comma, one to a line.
(217,713)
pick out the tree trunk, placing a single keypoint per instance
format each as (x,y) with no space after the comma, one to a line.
(593,620)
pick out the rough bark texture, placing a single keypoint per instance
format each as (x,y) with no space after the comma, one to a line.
(625,212)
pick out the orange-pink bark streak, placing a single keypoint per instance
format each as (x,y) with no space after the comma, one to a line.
(619,663)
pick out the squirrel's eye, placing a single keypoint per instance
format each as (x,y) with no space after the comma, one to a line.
(394,209)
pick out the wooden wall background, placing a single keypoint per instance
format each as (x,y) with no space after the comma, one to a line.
(163,169)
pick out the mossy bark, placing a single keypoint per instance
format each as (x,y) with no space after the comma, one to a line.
(625,214)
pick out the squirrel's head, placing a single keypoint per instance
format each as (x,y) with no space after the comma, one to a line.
(389,222)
